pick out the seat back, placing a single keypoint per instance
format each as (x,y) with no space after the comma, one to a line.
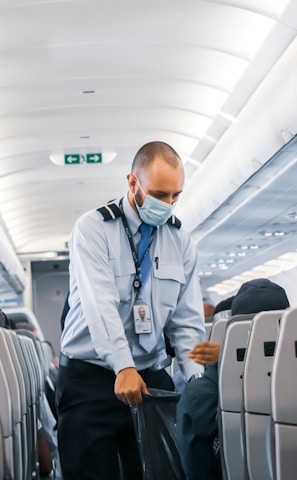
(19,370)
(48,352)
(7,424)
(256,392)
(208,327)
(16,406)
(218,330)
(230,395)
(2,456)
(32,372)
(37,358)
(284,397)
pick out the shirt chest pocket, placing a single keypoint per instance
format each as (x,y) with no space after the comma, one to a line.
(124,273)
(169,279)
(169,271)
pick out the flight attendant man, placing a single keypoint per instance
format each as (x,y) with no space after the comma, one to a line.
(106,365)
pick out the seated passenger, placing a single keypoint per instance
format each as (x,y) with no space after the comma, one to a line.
(197,408)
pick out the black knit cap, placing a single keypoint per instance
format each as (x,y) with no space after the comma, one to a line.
(259,295)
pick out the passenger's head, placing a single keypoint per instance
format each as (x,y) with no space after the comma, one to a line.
(155,182)
(26,326)
(259,295)
(4,321)
(208,311)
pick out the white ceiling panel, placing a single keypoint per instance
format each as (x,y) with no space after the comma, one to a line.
(89,76)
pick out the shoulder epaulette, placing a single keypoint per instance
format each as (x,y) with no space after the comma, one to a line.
(174,221)
(110,211)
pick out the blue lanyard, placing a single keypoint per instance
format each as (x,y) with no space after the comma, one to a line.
(137,283)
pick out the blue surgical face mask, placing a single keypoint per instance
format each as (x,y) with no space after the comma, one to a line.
(153,211)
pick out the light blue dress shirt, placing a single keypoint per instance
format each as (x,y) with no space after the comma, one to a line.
(99,327)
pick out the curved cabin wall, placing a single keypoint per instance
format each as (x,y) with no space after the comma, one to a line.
(259,131)
(12,274)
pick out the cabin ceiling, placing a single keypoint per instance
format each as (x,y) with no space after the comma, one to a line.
(86,77)
(255,238)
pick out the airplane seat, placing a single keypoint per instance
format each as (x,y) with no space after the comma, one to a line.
(218,330)
(256,392)
(29,394)
(16,405)
(283,398)
(2,455)
(7,425)
(48,350)
(208,327)
(23,396)
(230,371)
(43,360)
(37,358)
(43,410)
(51,377)
(29,361)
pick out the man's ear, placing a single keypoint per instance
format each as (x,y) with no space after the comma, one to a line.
(132,180)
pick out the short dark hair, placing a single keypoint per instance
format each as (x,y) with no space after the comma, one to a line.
(149,151)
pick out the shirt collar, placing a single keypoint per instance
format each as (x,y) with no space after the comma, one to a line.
(132,217)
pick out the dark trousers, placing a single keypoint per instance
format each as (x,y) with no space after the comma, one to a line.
(197,426)
(95,429)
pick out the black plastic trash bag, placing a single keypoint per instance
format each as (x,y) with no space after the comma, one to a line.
(155,425)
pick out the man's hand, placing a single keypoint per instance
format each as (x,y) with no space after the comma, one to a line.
(205,352)
(129,386)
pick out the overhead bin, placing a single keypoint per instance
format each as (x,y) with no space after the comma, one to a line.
(12,274)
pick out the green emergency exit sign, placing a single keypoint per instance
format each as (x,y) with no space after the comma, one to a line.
(72,159)
(94,158)
(76,158)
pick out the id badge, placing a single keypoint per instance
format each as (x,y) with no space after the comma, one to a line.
(142,318)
